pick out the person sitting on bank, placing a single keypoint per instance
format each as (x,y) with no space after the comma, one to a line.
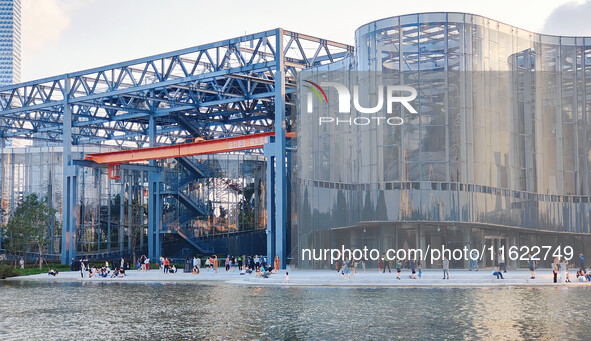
(498,273)
(195,270)
(173,269)
(52,272)
(264,272)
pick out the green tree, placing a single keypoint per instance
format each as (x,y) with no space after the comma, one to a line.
(16,236)
(27,227)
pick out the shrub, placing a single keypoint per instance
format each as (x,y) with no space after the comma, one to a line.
(7,271)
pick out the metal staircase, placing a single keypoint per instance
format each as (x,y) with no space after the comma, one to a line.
(195,206)
(202,245)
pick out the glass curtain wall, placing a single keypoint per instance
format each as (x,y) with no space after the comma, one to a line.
(499,152)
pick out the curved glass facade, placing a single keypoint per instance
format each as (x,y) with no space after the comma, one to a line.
(498,154)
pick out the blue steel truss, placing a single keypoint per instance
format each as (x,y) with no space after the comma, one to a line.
(227,88)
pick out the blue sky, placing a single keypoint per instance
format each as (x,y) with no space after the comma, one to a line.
(61,36)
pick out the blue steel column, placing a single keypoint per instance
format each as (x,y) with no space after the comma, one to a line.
(270,200)
(123,180)
(69,185)
(154,202)
(280,171)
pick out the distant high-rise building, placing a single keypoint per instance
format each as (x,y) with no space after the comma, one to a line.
(10,41)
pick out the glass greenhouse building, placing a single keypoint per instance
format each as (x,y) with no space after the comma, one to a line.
(498,155)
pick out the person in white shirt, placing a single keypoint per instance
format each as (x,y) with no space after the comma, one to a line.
(82,269)
(564,267)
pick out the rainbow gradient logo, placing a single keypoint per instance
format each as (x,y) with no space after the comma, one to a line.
(315,88)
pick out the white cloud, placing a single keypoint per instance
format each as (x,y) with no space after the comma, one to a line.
(43,23)
(571,19)
(69,35)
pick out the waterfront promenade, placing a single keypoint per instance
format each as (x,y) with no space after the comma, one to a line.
(326,278)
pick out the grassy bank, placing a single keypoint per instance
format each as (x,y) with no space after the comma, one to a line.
(8,270)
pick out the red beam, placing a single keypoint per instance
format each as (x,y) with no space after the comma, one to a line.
(223,145)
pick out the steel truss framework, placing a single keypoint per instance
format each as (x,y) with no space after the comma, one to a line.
(228,88)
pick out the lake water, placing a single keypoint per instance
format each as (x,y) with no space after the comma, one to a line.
(136,311)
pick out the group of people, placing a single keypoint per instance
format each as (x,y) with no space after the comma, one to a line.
(104,271)
(244,264)
(166,267)
(560,270)
(143,263)
(348,267)
(415,266)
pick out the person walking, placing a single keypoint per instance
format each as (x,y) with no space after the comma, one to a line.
(215,263)
(398,268)
(581,261)
(195,262)
(239,263)
(386,262)
(420,269)
(22,263)
(228,263)
(555,267)
(346,270)
(413,274)
(277,263)
(532,267)
(445,265)
(474,260)
(502,261)
(147,264)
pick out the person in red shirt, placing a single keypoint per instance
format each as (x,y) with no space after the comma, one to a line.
(166,264)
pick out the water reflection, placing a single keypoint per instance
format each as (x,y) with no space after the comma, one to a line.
(222,312)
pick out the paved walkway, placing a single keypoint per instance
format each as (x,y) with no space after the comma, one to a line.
(325,278)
